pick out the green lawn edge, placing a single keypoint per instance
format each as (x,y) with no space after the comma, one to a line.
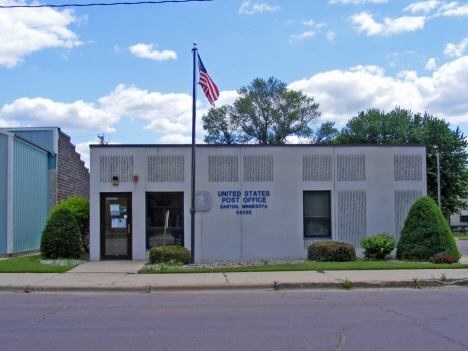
(315,266)
(30,264)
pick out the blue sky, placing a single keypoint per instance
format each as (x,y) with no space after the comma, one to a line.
(126,71)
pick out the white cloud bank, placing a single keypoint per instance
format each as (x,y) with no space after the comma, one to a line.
(24,31)
(166,113)
(355,1)
(364,22)
(249,9)
(146,51)
(341,94)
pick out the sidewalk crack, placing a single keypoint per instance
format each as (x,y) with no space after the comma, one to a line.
(225,276)
(119,279)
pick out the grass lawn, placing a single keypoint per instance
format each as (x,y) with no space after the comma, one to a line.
(316,266)
(460,236)
(30,264)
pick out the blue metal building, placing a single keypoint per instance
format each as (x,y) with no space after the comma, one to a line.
(24,192)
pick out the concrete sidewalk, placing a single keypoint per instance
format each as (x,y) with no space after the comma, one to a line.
(120,276)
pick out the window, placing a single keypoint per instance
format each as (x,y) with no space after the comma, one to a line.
(156,206)
(463,218)
(317,214)
(464,196)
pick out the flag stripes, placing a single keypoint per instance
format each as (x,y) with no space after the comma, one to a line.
(209,87)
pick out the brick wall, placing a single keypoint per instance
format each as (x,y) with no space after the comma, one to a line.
(72,175)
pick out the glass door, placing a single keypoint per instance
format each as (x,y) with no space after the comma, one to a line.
(116,225)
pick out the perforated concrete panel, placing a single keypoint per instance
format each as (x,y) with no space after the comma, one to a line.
(351,168)
(258,168)
(352,217)
(120,166)
(165,168)
(223,168)
(408,167)
(317,168)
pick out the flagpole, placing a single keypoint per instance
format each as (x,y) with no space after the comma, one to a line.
(194,116)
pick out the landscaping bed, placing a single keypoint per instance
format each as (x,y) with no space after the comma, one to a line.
(293,265)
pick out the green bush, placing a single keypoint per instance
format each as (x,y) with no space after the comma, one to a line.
(331,251)
(79,207)
(61,236)
(426,232)
(178,253)
(378,246)
(443,257)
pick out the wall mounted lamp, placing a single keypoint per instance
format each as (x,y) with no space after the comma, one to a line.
(115,180)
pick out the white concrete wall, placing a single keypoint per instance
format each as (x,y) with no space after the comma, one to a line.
(276,231)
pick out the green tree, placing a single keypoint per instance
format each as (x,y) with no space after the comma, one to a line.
(79,207)
(400,126)
(326,133)
(266,112)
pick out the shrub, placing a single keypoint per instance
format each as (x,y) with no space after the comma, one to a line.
(378,246)
(61,236)
(79,207)
(175,252)
(331,251)
(443,257)
(425,233)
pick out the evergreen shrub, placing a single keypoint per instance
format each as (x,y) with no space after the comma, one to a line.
(426,232)
(378,246)
(331,251)
(61,236)
(172,252)
(79,207)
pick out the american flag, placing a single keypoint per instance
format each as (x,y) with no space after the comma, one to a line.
(210,88)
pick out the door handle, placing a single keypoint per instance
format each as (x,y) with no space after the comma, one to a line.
(128,228)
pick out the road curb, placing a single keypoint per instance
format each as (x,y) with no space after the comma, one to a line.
(225,287)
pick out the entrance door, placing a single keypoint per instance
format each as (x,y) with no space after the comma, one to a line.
(116,226)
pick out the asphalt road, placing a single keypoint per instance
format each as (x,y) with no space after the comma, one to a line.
(403,319)
(463,246)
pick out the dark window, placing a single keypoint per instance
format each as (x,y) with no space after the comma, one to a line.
(464,196)
(463,218)
(156,206)
(317,214)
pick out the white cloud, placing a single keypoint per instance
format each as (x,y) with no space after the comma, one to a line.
(308,23)
(431,65)
(178,139)
(24,31)
(453,9)
(365,23)
(331,36)
(250,9)
(320,25)
(305,35)
(341,94)
(117,49)
(424,6)
(452,50)
(356,1)
(168,114)
(77,116)
(146,51)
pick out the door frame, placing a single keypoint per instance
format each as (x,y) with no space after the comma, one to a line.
(102,229)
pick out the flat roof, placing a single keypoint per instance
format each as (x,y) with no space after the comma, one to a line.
(254,145)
